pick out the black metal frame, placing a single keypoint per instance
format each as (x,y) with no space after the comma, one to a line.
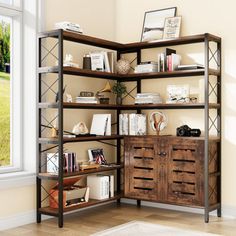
(123,49)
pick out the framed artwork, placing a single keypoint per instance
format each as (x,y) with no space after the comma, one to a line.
(96,155)
(154,21)
(172,27)
(177,93)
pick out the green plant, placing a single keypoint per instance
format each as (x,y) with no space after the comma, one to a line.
(4,44)
(119,88)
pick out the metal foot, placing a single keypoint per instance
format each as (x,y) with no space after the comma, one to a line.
(206,218)
(138,203)
(219,212)
(38,218)
(118,201)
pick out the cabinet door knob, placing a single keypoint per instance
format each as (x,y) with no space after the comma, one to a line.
(162,154)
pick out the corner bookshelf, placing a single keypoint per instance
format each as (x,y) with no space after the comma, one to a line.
(44,143)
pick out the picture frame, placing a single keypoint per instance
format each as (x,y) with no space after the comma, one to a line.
(172,27)
(153,23)
(178,93)
(96,155)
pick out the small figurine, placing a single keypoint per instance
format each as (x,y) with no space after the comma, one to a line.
(80,128)
(68,98)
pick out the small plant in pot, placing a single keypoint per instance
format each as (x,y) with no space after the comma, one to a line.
(119,89)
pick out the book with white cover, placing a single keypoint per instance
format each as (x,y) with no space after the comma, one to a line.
(101,124)
(98,186)
(65,25)
(124,124)
(111,184)
(137,124)
(106,62)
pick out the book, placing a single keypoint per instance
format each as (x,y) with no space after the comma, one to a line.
(98,186)
(111,59)
(69,160)
(106,62)
(101,124)
(190,67)
(65,25)
(137,124)
(124,124)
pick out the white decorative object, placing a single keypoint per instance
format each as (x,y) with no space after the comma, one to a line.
(123,66)
(80,128)
(177,93)
(68,97)
(158,121)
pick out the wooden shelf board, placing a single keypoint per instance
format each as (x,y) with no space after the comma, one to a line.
(91,202)
(80,139)
(113,137)
(79,173)
(129,77)
(129,47)
(130,106)
(132,47)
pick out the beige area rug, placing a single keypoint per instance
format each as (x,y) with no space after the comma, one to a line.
(140,228)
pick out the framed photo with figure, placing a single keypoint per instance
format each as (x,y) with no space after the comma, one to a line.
(172,27)
(96,155)
(154,21)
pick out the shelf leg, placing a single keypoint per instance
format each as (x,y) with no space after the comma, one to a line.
(219,211)
(38,214)
(206,217)
(60,221)
(118,201)
(138,203)
(38,217)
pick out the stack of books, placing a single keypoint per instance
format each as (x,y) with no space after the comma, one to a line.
(101,186)
(148,98)
(65,25)
(146,67)
(70,162)
(168,61)
(91,100)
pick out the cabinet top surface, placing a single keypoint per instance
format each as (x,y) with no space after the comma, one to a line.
(85,39)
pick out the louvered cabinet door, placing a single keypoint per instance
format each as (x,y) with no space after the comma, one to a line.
(140,168)
(185,172)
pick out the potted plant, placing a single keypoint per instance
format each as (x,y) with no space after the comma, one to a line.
(119,89)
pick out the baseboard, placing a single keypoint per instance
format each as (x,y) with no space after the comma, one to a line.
(19,220)
(227,211)
(30,216)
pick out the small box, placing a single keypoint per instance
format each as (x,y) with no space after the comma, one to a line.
(72,194)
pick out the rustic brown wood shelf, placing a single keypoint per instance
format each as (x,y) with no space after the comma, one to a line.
(129,77)
(91,202)
(111,137)
(79,139)
(74,105)
(211,145)
(80,173)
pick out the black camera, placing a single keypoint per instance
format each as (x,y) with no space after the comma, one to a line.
(186,131)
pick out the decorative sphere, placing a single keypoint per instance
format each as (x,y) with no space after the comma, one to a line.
(123,66)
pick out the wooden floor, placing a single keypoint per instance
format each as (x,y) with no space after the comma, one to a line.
(94,220)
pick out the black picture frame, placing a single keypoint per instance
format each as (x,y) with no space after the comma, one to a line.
(160,16)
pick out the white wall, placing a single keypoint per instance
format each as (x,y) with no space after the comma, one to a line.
(97,19)
(198,17)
